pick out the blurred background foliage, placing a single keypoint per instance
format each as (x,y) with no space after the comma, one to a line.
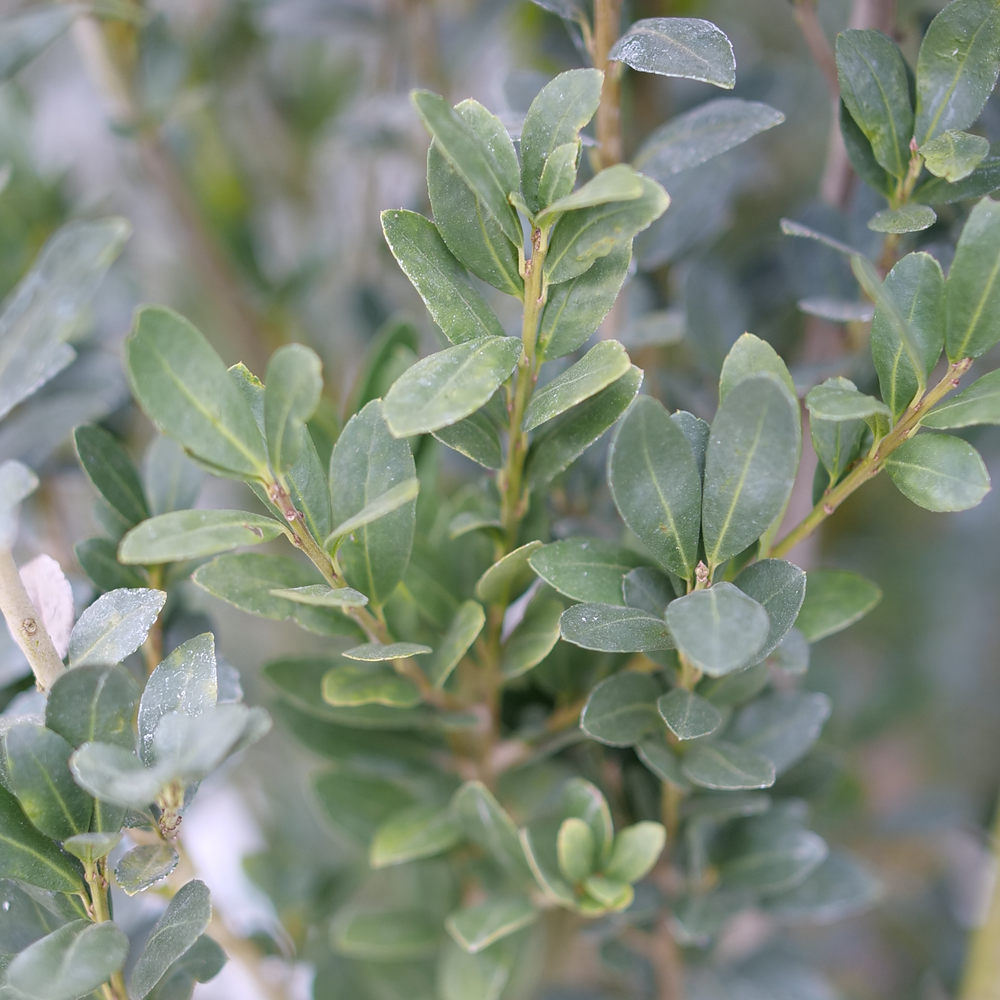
(252,143)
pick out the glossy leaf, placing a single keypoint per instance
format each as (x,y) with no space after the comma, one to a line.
(839,399)
(779,588)
(622,709)
(953,155)
(477,927)
(720,629)
(114,626)
(570,435)
(907,219)
(687,47)
(979,404)
(484,821)
(750,465)
(688,715)
(585,569)
(533,639)
(474,437)
(194,534)
(614,629)
(972,293)
(708,130)
(461,312)
(419,832)
(349,685)
(782,726)
(111,470)
(616,183)
(184,388)
(29,856)
(68,963)
(656,486)
(636,849)
(563,106)
(835,599)
(508,576)
(144,866)
(875,87)
(725,767)
(939,472)
(293,385)
(366,462)
(957,67)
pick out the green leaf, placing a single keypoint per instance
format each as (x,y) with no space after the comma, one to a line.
(752,356)
(98,557)
(835,599)
(688,715)
(916,285)
(939,472)
(598,368)
(656,486)
(194,534)
(474,437)
(563,106)
(725,767)
(907,219)
(779,588)
(533,639)
(876,89)
(457,308)
(366,462)
(614,629)
(29,856)
(144,866)
(508,576)
(697,433)
(472,159)
(385,936)
(186,681)
(750,465)
(482,976)
(838,399)
(836,889)
(93,703)
(114,626)
(41,780)
(859,152)
(979,404)
(450,385)
(172,480)
(319,595)
(636,849)
(374,652)
(610,894)
(571,434)
(175,932)
(687,47)
(456,642)
(647,589)
(113,774)
(395,497)
(185,389)
(110,469)
(418,832)
(720,629)
(583,236)
(390,352)
(91,847)
(972,291)
(957,67)
(202,962)
(772,854)
(616,183)
(953,155)
(477,927)
(350,685)
(574,309)
(585,569)
(559,173)
(485,822)
(293,386)
(985,179)
(622,709)
(836,445)
(17,481)
(575,850)
(356,804)
(735,688)
(25,35)
(188,748)
(708,130)
(782,726)
(70,962)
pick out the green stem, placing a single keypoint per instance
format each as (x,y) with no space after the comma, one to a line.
(873,463)
(981,980)
(96,876)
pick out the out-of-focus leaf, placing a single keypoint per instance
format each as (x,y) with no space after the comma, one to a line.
(838,888)
(98,557)
(293,385)
(533,639)
(771,854)
(636,849)
(688,715)
(172,480)
(418,832)
(483,820)
(939,472)
(725,767)
(907,219)
(25,35)
(144,866)
(508,576)
(110,469)
(482,976)
(355,685)
(687,47)
(622,709)
(835,599)
(385,936)
(477,927)
(782,727)
(474,437)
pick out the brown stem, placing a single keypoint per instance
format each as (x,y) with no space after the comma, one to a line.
(819,48)
(607,27)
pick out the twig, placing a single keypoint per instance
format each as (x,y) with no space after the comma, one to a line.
(607,27)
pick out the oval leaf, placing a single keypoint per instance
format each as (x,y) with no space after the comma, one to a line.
(939,472)
(686,47)
(419,832)
(622,709)
(194,534)
(835,599)
(725,767)
(614,629)
(144,866)
(114,626)
(585,569)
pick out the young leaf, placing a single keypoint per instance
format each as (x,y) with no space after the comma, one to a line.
(939,472)
(571,434)
(175,932)
(350,685)
(838,399)
(708,130)
(687,715)
(450,385)
(474,437)
(720,629)
(752,356)
(953,155)
(687,47)
(622,709)
(656,486)
(835,599)
(144,866)
(725,767)
(461,312)
(110,469)
(779,588)
(636,849)
(194,534)
(29,856)
(907,219)
(957,67)
(575,850)
(98,558)
(91,847)
(559,173)
(293,386)
(418,832)
(979,404)
(574,309)
(613,629)
(985,179)
(875,87)
(477,927)
(533,639)
(114,626)
(585,569)
(462,633)
(68,963)
(376,652)
(750,465)
(782,726)
(485,822)
(563,106)
(508,576)
(366,462)
(972,293)
(616,183)
(185,389)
